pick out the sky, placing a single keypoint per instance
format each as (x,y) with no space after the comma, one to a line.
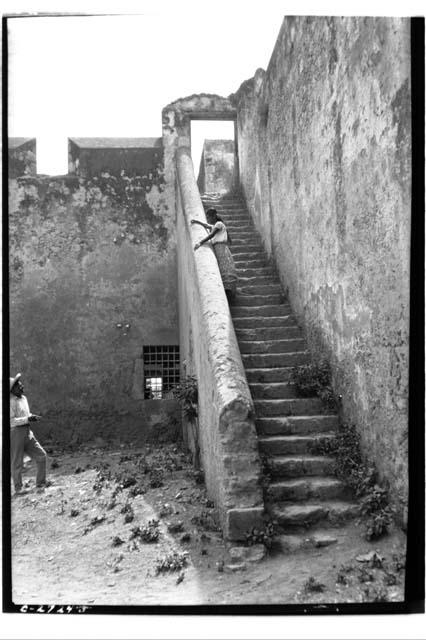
(112,75)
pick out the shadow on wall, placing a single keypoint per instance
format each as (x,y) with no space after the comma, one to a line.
(90,256)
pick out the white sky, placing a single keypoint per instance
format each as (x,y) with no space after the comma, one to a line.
(112,75)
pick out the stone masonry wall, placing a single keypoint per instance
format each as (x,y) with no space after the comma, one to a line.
(92,280)
(89,157)
(325,164)
(217,167)
(22,157)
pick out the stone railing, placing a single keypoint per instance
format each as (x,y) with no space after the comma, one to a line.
(227,437)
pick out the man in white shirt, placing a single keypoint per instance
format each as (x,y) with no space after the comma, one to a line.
(22,439)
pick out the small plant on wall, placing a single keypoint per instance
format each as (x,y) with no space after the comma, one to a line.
(187,394)
(315,379)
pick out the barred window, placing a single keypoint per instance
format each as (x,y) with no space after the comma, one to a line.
(161,371)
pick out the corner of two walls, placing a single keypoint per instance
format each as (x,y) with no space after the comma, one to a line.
(325,163)
(92,280)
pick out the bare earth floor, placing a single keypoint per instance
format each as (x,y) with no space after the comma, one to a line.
(63,547)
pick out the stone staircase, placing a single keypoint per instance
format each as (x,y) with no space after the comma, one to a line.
(302,492)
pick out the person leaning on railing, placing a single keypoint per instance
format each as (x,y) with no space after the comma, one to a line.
(220,240)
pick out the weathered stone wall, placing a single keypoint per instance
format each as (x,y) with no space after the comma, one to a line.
(22,157)
(217,167)
(226,432)
(92,280)
(89,157)
(324,144)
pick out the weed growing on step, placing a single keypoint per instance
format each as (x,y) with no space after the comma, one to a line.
(187,394)
(361,477)
(314,379)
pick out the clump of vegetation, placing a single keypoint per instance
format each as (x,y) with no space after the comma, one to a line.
(376,507)
(148,533)
(205,520)
(398,561)
(314,379)
(361,477)
(187,394)
(313,586)
(342,575)
(156,478)
(263,536)
(173,561)
(117,541)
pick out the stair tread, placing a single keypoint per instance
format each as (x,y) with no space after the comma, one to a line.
(293,507)
(276,400)
(305,457)
(294,438)
(312,480)
(320,416)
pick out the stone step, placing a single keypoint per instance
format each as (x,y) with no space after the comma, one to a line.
(246,249)
(277,390)
(216,202)
(267,279)
(254,272)
(235,228)
(223,205)
(296,425)
(251,263)
(295,466)
(272,346)
(248,256)
(263,360)
(290,407)
(234,213)
(257,300)
(267,289)
(291,445)
(268,333)
(239,241)
(245,236)
(260,322)
(260,311)
(303,515)
(282,374)
(308,488)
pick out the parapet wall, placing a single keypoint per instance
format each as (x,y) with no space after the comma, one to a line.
(227,437)
(89,157)
(22,157)
(324,141)
(92,280)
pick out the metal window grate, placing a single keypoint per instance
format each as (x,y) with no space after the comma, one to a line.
(161,370)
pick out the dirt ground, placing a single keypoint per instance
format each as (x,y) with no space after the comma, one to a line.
(83,541)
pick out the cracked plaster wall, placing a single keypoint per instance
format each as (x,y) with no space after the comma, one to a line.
(325,164)
(87,255)
(217,167)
